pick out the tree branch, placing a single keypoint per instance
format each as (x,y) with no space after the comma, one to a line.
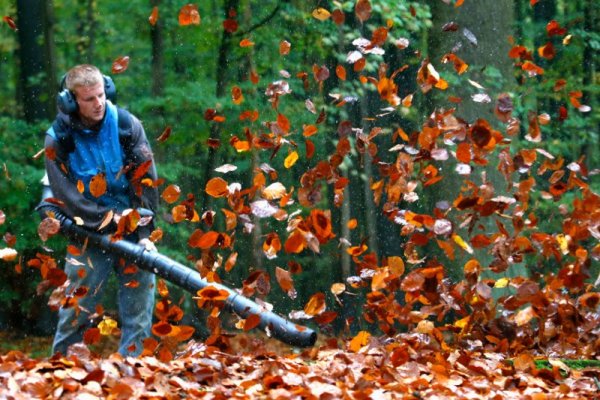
(260,23)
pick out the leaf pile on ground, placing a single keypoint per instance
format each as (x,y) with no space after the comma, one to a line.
(410,366)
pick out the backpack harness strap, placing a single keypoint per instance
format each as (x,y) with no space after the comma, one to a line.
(64,137)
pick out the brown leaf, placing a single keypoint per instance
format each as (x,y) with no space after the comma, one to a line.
(362,9)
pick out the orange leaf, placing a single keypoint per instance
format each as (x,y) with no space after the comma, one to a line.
(309,130)
(188,15)
(217,187)
(283,122)
(284,47)
(360,340)
(98,185)
(321,14)
(207,240)
(340,71)
(463,152)
(153,16)
(295,242)
(236,95)
(246,43)
(171,194)
(162,288)
(80,186)
(120,65)
(284,279)
(316,304)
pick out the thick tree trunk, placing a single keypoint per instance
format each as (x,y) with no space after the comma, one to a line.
(37,71)
(482,42)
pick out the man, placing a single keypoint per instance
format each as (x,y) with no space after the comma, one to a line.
(93,145)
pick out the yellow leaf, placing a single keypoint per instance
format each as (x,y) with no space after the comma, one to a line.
(291,159)
(501,283)
(321,14)
(461,323)
(80,186)
(464,245)
(563,242)
(106,326)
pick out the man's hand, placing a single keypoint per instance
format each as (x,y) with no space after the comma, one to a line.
(147,243)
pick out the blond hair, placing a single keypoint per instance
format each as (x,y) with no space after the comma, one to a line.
(83,75)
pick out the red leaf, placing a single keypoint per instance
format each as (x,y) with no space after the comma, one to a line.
(165,135)
(10,22)
(251,322)
(230,25)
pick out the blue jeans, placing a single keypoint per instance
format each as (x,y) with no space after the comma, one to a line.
(136,303)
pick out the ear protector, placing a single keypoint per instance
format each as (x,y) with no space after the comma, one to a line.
(66,102)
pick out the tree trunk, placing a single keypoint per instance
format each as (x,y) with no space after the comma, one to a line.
(86,31)
(37,68)
(158,53)
(221,72)
(483,46)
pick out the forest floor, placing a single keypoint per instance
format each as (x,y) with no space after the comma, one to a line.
(408,366)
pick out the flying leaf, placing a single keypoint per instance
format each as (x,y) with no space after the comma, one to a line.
(106,326)
(362,9)
(291,159)
(164,135)
(98,185)
(316,304)
(251,322)
(120,65)
(225,168)
(10,22)
(237,95)
(360,340)
(321,14)
(246,43)
(340,72)
(274,191)
(284,47)
(217,187)
(338,16)
(91,336)
(171,194)
(153,16)
(8,254)
(189,15)
(284,279)
(230,25)
(310,148)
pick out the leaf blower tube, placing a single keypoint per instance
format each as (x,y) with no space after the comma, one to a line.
(182,276)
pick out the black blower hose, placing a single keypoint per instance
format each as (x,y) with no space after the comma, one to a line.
(189,279)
